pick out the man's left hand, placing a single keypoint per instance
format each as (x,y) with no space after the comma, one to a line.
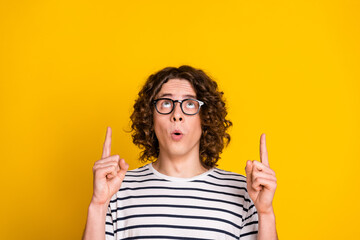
(261,181)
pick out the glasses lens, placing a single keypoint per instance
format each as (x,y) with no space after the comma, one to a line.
(190,106)
(164,106)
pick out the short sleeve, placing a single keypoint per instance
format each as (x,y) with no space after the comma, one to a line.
(109,227)
(249,226)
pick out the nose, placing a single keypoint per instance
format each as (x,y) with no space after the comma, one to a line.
(177,114)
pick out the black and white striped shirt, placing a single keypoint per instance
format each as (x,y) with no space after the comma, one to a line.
(151,205)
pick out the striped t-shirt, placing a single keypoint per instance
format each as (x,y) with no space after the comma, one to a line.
(151,205)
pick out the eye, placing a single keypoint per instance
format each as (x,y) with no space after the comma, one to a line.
(190,104)
(166,104)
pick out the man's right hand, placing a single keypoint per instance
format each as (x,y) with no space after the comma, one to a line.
(109,172)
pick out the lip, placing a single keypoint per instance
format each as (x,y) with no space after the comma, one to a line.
(177,135)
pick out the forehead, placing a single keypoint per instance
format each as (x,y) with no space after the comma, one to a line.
(177,87)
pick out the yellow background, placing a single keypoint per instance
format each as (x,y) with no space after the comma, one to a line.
(69,69)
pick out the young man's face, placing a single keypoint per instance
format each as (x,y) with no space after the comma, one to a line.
(178,134)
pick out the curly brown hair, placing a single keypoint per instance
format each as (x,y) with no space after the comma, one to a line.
(212,114)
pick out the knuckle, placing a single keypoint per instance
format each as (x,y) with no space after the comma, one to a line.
(253,178)
(255,186)
(122,175)
(258,166)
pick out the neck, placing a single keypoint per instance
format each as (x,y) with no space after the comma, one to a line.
(182,167)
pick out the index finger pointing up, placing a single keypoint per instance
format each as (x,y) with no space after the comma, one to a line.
(263,151)
(107,144)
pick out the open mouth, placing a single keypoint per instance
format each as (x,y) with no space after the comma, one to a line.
(176,135)
(177,132)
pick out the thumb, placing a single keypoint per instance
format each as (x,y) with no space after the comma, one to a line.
(123,169)
(248,170)
(115,182)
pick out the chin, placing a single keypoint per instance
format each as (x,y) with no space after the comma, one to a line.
(177,150)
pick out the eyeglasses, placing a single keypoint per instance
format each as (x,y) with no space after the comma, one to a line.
(167,105)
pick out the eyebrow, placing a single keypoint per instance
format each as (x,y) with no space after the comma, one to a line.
(170,95)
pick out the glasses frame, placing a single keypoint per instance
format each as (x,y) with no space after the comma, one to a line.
(179,101)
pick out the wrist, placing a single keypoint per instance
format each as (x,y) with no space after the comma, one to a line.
(98,207)
(99,202)
(266,216)
(267,226)
(268,212)
(95,223)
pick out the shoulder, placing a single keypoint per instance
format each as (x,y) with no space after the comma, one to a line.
(229,180)
(140,171)
(133,179)
(226,180)
(228,175)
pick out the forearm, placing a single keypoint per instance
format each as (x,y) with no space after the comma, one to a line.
(95,223)
(267,227)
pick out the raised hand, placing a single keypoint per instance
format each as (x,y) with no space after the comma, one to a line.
(109,172)
(261,180)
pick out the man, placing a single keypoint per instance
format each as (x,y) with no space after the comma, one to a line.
(179,121)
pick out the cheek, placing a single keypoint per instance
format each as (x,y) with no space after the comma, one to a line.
(197,125)
(158,125)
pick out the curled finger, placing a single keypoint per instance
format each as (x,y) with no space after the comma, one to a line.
(107,171)
(258,166)
(258,174)
(261,183)
(108,159)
